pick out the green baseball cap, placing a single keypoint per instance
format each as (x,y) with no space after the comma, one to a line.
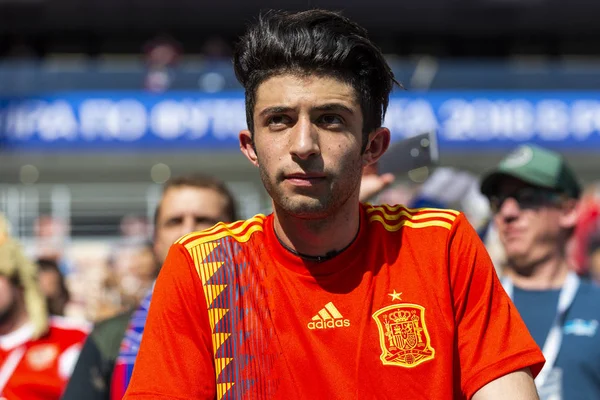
(536,166)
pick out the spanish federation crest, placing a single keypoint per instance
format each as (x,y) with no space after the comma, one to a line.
(403,335)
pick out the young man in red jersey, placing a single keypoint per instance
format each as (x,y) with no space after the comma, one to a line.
(37,353)
(328,298)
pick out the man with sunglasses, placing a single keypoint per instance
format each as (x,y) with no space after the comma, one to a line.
(534,196)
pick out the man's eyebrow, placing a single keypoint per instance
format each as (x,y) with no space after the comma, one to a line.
(334,107)
(275,110)
(339,107)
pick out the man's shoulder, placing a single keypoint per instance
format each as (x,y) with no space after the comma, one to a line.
(583,318)
(114,326)
(394,218)
(239,231)
(108,333)
(59,325)
(590,290)
(67,331)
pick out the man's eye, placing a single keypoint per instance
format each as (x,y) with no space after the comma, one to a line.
(174,222)
(331,120)
(278,120)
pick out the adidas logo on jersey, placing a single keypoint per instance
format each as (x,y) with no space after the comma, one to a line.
(329,317)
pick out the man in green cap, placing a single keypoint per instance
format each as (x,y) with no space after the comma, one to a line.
(534,198)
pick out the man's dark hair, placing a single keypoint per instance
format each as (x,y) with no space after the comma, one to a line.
(202,182)
(315,42)
(56,305)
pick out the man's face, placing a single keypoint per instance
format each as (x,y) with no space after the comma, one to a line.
(8,298)
(183,210)
(49,283)
(529,222)
(136,268)
(135,262)
(307,143)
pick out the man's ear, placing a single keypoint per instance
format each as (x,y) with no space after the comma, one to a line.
(569,216)
(378,142)
(247,146)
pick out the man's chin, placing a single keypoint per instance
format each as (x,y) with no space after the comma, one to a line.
(305,208)
(303,212)
(520,262)
(515,250)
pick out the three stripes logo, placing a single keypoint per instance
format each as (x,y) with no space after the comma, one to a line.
(329,317)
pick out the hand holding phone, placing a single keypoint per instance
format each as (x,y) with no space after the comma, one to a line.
(409,154)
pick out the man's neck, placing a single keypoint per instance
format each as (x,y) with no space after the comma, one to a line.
(545,275)
(318,237)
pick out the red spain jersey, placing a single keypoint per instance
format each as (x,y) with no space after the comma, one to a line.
(39,369)
(412,308)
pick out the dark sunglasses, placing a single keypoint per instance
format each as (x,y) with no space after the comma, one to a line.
(527,198)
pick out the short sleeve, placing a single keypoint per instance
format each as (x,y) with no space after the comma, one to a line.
(492,338)
(175,358)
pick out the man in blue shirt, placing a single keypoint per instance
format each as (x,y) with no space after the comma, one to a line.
(534,198)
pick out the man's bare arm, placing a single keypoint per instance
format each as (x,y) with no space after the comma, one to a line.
(517,385)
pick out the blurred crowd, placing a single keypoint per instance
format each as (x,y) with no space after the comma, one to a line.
(93,280)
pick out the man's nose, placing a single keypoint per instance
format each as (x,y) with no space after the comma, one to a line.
(304,139)
(509,209)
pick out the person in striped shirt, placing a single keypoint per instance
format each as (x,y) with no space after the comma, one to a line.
(326,297)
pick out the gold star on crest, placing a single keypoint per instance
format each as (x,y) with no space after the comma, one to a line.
(395,296)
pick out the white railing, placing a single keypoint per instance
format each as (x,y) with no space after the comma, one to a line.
(96,209)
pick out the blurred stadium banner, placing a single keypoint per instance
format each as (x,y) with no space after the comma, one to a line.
(482,120)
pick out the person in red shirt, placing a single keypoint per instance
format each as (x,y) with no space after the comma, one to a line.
(37,352)
(328,298)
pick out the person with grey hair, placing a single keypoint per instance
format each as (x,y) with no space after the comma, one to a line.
(534,196)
